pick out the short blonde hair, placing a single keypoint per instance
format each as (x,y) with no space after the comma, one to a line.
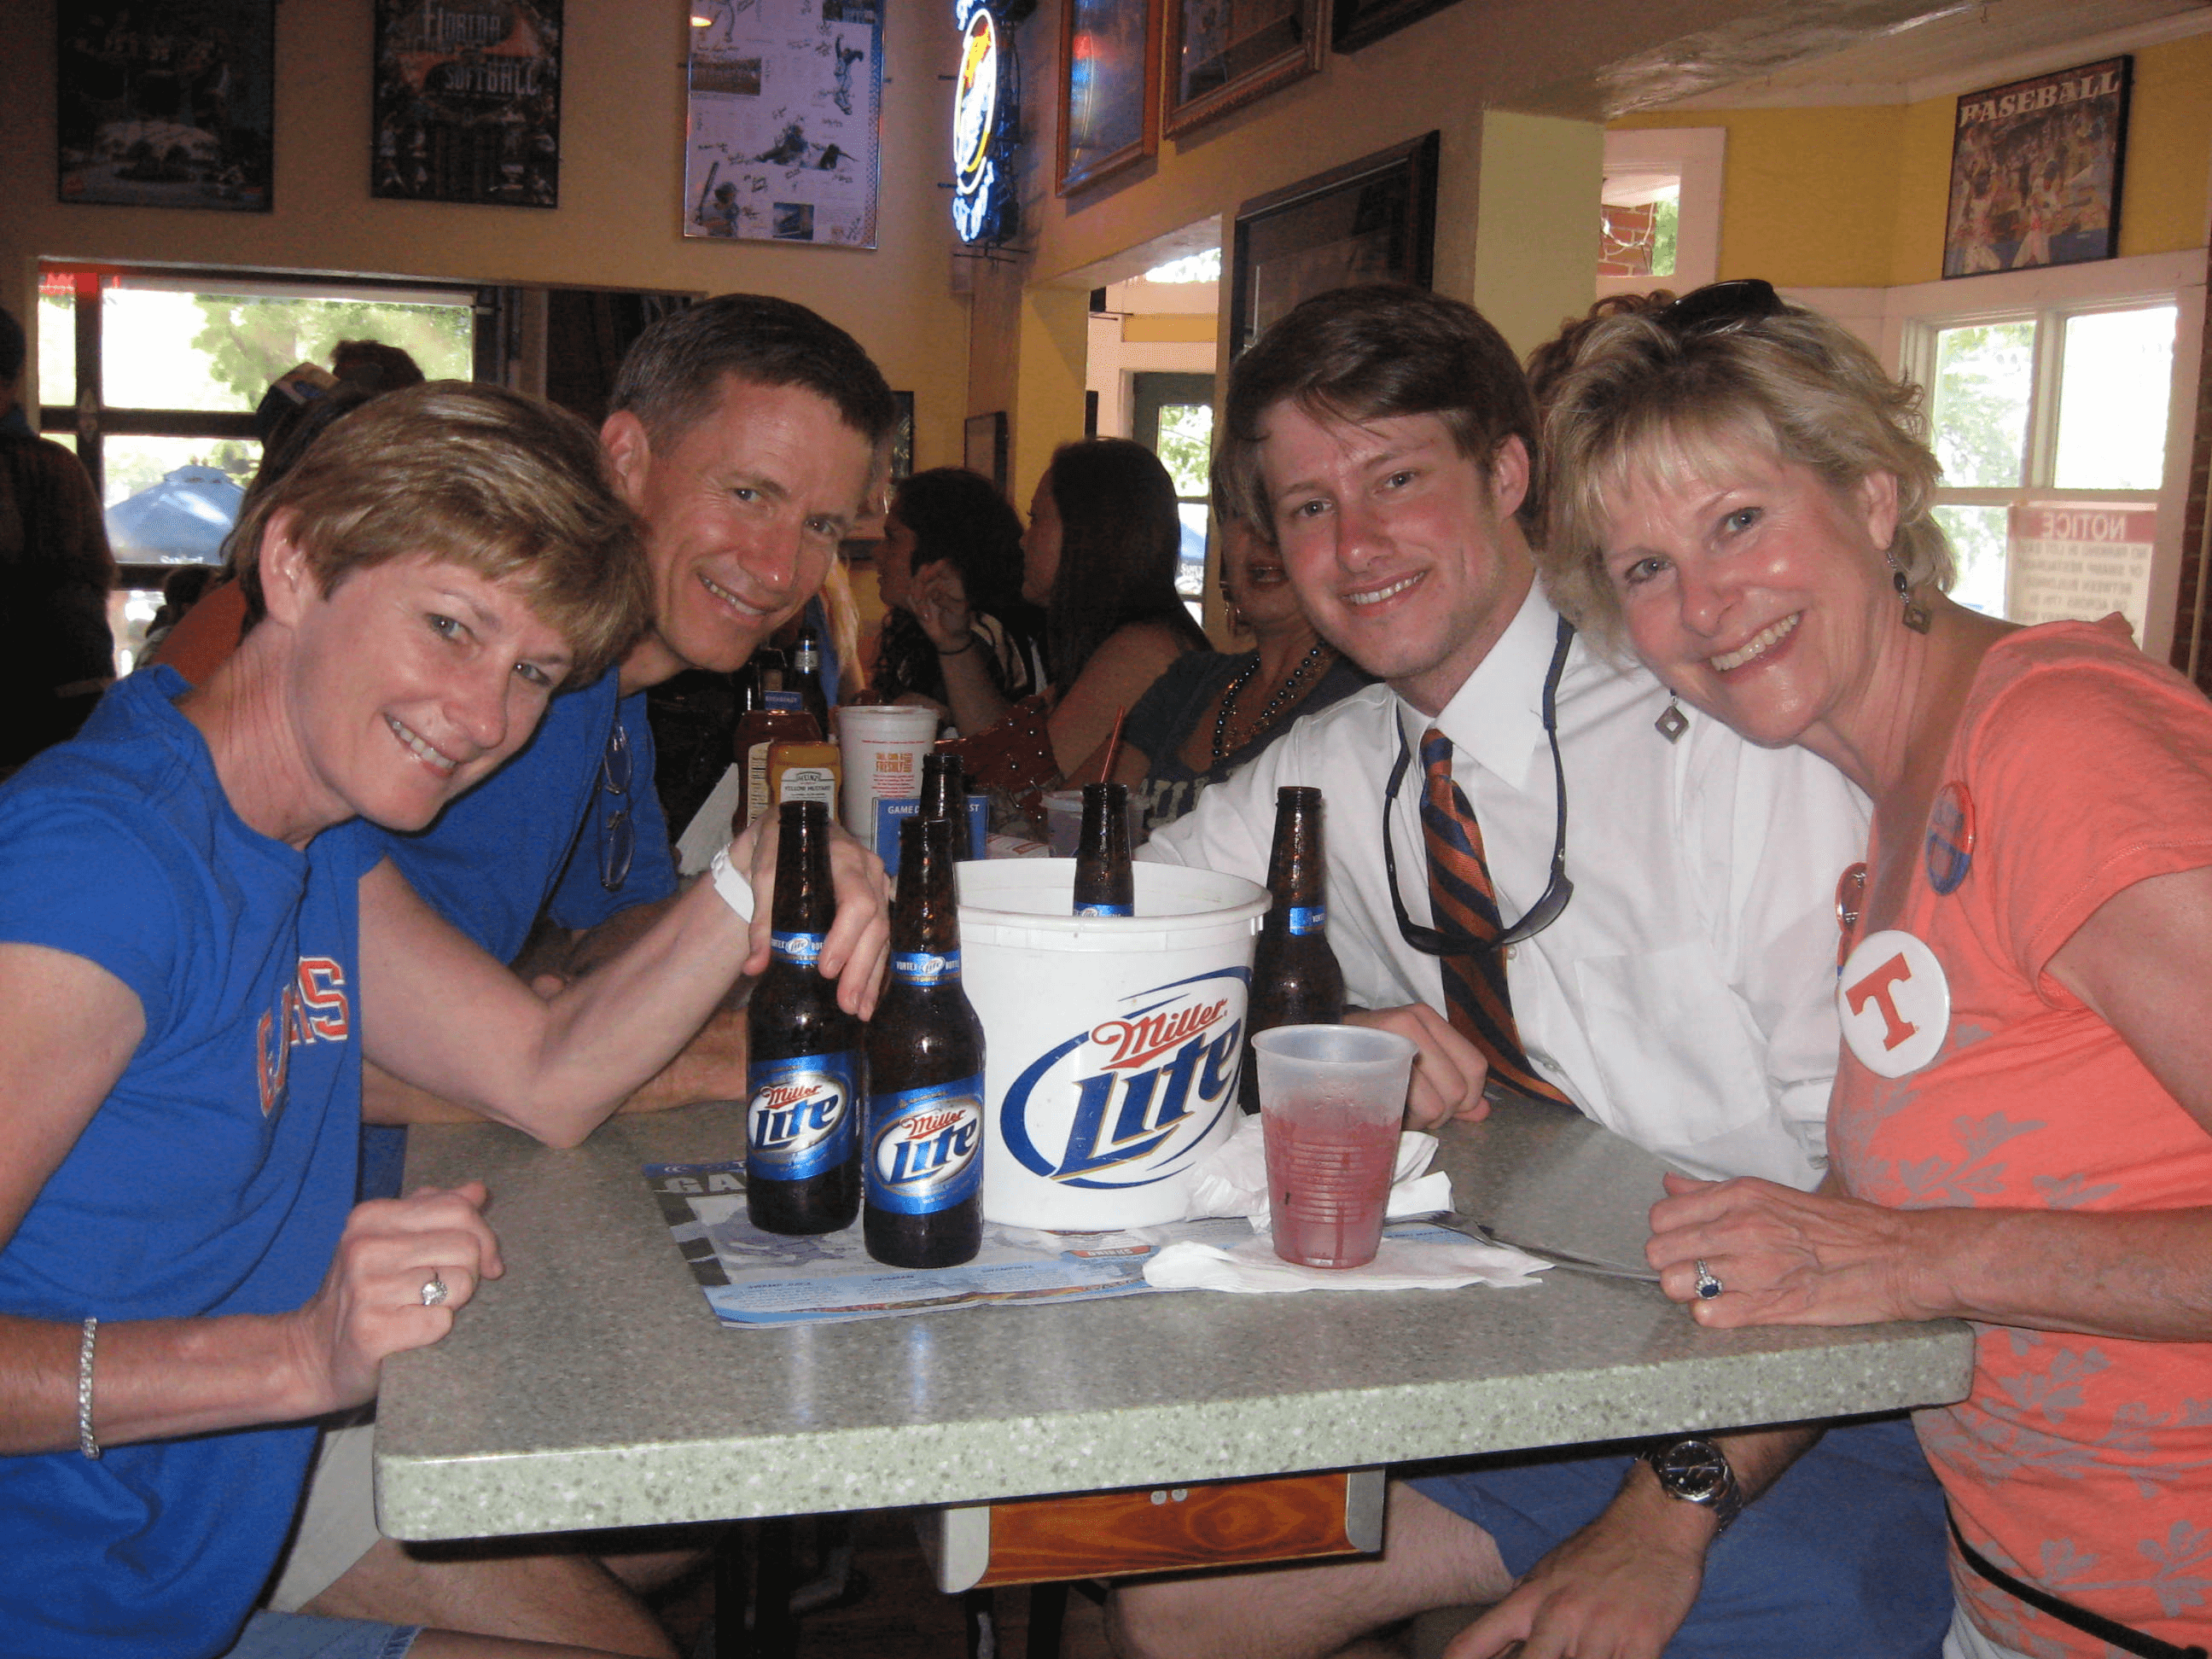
(507,486)
(1647,401)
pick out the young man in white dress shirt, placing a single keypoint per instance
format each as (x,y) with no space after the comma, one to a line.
(1683,998)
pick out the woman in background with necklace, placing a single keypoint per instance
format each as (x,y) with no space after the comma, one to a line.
(1213,711)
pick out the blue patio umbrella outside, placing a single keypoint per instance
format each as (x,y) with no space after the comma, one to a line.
(183,520)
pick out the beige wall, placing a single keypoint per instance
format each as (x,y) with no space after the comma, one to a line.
(621,183)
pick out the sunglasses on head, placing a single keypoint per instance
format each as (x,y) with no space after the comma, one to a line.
(1720,308)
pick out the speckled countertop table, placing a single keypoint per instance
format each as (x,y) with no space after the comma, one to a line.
(593,1387)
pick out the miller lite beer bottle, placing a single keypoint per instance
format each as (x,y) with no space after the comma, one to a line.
(945,795)
(802,1069)
(1295,977)
(923,1160)
(1104,885)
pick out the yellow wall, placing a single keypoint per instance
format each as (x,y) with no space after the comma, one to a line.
(620,185)
(1855,196)
(1536,234)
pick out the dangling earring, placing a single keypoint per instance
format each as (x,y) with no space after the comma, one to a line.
(1671,721)
(1916,614)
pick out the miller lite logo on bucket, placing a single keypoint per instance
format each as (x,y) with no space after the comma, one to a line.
(1149,1084)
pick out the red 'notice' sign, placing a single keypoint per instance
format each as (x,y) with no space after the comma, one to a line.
(2079,559)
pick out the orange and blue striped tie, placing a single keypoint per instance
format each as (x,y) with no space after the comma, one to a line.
(1463,903)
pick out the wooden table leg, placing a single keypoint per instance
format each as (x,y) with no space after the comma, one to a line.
(1048,1613)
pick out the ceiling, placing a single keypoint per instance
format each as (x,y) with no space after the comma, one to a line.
(1954,48)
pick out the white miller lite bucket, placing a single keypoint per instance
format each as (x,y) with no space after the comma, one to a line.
(1111,1043)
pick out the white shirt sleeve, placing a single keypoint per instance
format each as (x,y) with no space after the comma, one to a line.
(1783,825)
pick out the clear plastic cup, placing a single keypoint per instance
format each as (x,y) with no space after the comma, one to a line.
(1331,1098)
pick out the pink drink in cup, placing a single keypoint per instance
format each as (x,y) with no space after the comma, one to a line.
(1331,1099)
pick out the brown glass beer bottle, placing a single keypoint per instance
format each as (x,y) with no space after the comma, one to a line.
(803,1055)
(1295,977)
(804,677)
(945,795)
(922,1163)
(1104,885)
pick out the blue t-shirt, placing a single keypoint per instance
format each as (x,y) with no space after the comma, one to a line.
(530,837)
(215,1179)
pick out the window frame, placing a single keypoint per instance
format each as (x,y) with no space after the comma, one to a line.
(90,419)
(1698,156)
(1900,324)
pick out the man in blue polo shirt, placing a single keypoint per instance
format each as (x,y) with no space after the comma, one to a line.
(747,433)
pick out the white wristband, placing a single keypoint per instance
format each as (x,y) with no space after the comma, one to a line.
(737,892)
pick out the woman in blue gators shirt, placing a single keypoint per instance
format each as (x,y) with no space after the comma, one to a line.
(185,1283)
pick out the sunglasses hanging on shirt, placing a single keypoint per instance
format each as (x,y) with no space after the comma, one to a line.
(1545,910)
(617,834)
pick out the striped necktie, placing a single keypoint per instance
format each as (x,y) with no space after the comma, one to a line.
(1463,903)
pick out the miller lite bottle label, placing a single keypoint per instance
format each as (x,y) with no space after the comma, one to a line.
(926,1148)
(803,949)
(800,1118)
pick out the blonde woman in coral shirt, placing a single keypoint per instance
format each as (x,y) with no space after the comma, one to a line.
(2020,1127)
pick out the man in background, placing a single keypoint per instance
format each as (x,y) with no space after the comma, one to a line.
(57,654)
(748,433)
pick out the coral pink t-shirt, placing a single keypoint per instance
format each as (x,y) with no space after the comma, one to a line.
(2080,1464)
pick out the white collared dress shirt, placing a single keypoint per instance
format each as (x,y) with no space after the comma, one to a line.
(1685,998)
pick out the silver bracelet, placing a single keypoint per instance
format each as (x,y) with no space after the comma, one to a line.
(85,1441)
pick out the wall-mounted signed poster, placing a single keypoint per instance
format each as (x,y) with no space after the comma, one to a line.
(165,103)
(2035,172)
(468,101)
(786,124)
(1109,87)
(1223,53)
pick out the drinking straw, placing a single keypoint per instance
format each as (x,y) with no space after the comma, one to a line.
(1113,745)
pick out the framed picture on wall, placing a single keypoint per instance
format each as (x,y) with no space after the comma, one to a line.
(468,103)
(1363,22)
(2035,171)
(984,448)
(1370,221)
(1225,53)
(1109,87)
(167,103)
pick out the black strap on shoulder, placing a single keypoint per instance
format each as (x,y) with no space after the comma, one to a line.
(2125,1638)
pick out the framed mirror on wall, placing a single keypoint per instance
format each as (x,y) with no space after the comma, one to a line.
(1370,221)
(1223,54)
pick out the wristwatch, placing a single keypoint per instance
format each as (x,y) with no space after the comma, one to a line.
(1696,1472)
